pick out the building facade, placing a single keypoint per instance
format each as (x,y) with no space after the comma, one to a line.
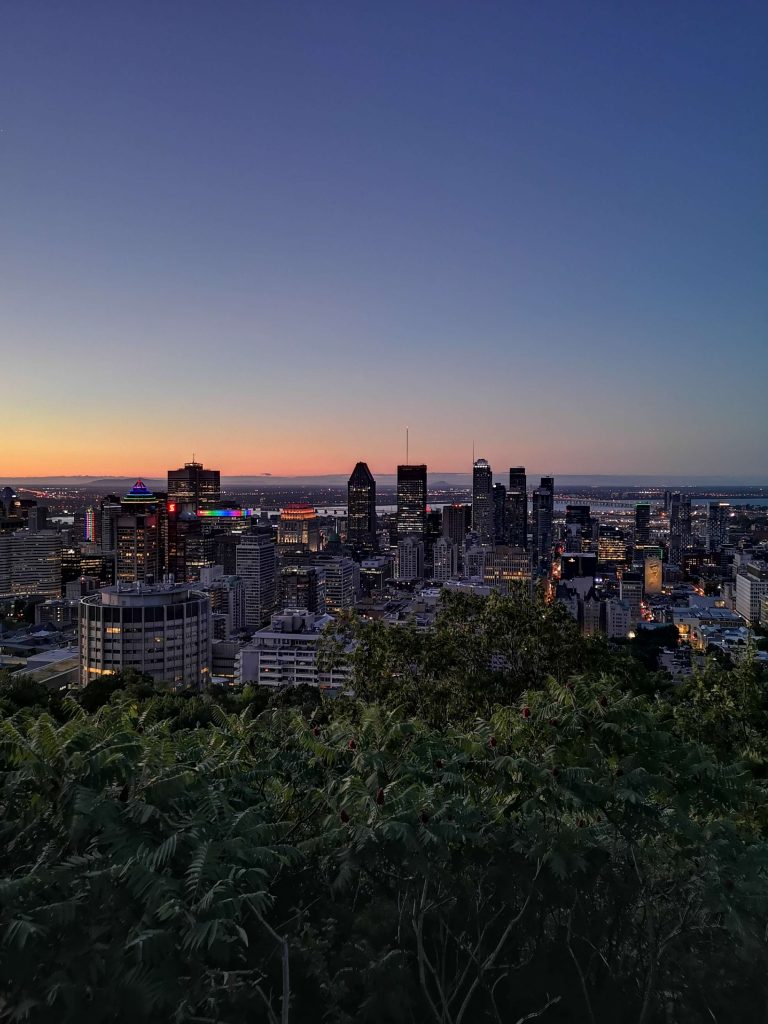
(482,501)
(361,509)
(411,501)
(256,564)
(164,631)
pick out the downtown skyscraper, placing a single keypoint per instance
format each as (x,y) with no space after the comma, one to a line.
(543,515)
(361,508)
(517,508)
(411,501)
(679,526)
(194,485)
(482,501)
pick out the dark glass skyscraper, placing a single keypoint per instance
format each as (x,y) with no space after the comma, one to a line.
(499,495)
(194,485)
(517,508)
(717,525)
(411,501)
(642,524)
(543,514)
(679,526)
(361,508)
(456,520)
(482,501)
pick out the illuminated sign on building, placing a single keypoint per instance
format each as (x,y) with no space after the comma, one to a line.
(237,513)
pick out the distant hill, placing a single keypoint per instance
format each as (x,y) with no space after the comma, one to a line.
(437,479)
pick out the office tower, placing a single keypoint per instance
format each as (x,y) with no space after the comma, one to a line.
(410,559)
(499,502)
(374,574)
(225,545)
(302,586)
(611,547)
(141,534)
(505,568)
(679,526)
(717,525)
(298,528)
(361,509)
(411,501)
(256,562)
(578,526)
(456,521)
(543,514)
(194,485)
(342,581)
(517,508)
(21,513)
(642,524)
(138,547)
(482,501)
(190,543)
(445,560)
(162,630)
(110,511)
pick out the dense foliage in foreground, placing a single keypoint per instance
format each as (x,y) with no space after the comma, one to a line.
(585,852)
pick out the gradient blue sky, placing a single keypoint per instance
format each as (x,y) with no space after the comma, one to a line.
(275,233)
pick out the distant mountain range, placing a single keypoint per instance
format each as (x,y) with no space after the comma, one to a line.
(436,480)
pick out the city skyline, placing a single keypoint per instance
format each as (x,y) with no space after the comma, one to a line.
(266,230)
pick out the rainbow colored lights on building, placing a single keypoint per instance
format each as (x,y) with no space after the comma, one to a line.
(90,524)
(229,513)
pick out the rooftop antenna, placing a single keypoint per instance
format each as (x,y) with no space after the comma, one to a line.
(473,451)
(407,449)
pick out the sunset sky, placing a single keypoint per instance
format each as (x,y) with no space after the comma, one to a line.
(276,233)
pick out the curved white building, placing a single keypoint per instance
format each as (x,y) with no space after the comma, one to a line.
(163,630)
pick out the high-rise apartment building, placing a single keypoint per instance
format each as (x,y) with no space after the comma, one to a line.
(361,509)
(517,508)
(482,501)
(256,563)
(543,516)
(411,501)
(194,485)
(410,559)
(445,560)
